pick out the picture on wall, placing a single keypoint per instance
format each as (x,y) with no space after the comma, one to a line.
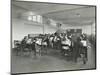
(52,37)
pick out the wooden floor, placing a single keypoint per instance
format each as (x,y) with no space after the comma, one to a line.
(53,61)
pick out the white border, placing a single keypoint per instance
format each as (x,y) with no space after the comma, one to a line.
(5,37)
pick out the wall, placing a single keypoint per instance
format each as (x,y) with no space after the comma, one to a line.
(21,28)
(93,29)
(88,29)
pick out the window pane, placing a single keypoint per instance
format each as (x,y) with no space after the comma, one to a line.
(35,18)
(39,19)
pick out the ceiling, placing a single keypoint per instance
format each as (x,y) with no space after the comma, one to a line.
(65,13)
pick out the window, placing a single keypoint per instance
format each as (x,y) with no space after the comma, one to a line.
(39,18)
(35,18)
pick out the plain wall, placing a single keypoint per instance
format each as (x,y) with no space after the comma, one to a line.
(21,28)
(88,29)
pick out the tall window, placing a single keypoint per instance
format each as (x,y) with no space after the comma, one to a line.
(35,18)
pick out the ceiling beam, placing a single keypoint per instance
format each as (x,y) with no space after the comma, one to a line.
(59,11)
(78,23)
(78,18)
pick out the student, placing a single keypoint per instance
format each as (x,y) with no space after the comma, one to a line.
(38,45)
(33,46)
(51,41)
(58,42)
(65,44)
(55,42)
(23,44)
(28,43)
